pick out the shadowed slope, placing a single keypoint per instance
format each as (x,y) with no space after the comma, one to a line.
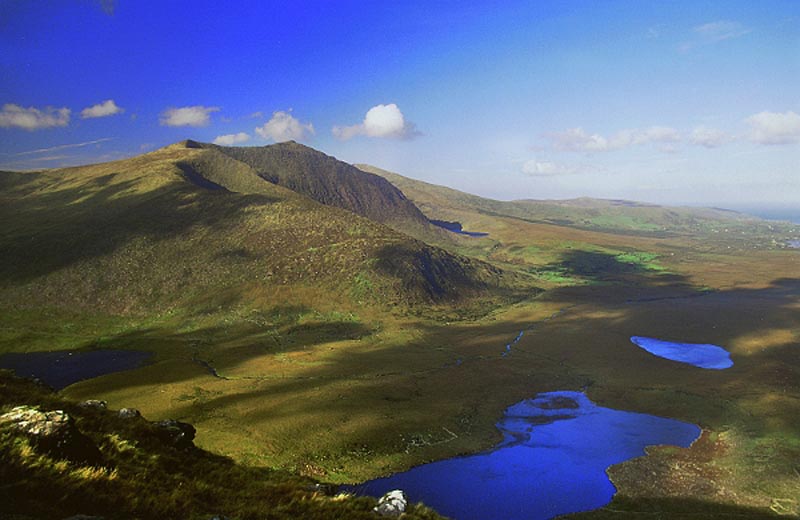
(331,182)
(186,225)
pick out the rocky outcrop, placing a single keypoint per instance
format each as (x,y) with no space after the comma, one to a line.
(129,413)
(393,503)
(94,404)
(52,432)
(176,433)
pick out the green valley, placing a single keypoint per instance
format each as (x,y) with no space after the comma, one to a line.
(314,326)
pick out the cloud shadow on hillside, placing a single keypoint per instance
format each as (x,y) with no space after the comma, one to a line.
(529,366)
(601,266)
(57,229)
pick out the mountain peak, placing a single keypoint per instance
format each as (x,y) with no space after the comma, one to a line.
(330,181)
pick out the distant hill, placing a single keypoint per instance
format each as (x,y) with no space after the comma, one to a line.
(617,216)
(189,225)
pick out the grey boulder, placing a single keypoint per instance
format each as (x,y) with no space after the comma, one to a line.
(94,404)
(52,432)
(176,433)
(129,413)
(393,503)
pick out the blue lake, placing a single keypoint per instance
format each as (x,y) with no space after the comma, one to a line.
(698,354)
(61,369)
(552,461)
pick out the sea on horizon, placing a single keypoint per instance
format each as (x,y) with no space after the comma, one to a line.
(783,214)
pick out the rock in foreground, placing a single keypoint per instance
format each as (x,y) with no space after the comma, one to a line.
(52,432)
(176,433)
(392,503)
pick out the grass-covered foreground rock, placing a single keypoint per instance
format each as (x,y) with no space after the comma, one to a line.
(60,459)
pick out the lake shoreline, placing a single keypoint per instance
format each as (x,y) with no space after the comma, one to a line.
(550,443)
(60,369)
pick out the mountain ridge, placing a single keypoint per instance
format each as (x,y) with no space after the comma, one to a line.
(613,215)
(147,233)
(327,180)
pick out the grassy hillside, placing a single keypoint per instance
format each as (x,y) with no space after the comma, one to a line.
(182,227)
(141,474)
(614,216)
(588,241)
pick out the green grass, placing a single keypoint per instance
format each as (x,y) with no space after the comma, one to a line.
(623,222)
(556,275)
(642,260)
(362,286)
(142,477)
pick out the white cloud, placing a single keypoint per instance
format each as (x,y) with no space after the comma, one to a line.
(32,118)
(384,121)
(187,116)
(578,140)
(104,109)
(537,168)
(345,133)
(284,127)
(656,134)
(65,146)
(709,137)
(720,30)
(51,158)
(232,139)
(714,32)
(774,128)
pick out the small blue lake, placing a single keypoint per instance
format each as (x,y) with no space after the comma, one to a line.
(552,461)
(61,369)
(701,355)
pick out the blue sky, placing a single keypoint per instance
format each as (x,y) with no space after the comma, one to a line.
(668,102)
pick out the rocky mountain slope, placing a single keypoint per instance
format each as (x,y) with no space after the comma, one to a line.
(328,181)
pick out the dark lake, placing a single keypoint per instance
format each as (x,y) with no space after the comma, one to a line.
(701,355)
(455,227)
(552,461)
(61,369)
